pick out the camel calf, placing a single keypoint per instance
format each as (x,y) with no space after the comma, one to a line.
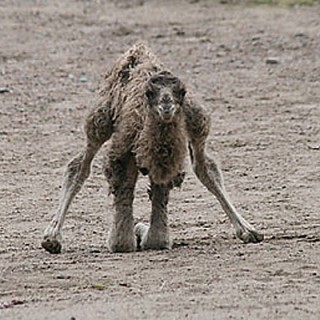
(153,124)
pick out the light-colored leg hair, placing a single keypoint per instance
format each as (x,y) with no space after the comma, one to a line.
(77,171)
(98,129)
(122,176)
(207,170)
(156,236)
(209,174)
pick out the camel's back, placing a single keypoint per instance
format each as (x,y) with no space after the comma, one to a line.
(124,84)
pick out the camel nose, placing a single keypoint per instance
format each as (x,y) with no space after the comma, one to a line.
(167,107)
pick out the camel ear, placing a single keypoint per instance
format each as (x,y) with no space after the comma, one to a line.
(180,92)
(150,92)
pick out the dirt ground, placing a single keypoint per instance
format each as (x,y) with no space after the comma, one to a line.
(256,69)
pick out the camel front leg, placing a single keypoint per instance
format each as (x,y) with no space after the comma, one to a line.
(122,175)
(98,130)
(209,174)
(77,171)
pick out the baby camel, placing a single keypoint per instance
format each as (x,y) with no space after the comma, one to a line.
(153,123)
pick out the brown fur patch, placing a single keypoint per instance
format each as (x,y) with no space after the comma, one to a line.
(161,149)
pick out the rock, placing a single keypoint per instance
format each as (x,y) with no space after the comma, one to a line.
(83,78)
(4,90)
(272,60)
(300,35)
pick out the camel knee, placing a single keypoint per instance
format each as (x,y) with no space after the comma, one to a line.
(121,174)
(115,174)
(208,172)
(99,125)
(77,170)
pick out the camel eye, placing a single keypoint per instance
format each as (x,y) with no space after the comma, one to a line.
(150,94)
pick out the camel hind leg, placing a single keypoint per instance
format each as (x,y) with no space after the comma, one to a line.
(98,130)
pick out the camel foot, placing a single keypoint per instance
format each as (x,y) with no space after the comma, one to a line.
(120,248)
(250,236)
(149,240)
(122,243)
(51,245)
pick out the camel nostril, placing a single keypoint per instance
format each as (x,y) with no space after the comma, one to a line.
(167,108)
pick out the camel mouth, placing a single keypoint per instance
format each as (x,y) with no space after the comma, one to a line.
(166,111)
(166,118)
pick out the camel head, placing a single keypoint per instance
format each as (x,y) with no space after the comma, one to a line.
(165,94)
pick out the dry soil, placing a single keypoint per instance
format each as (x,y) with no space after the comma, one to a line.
(257,69)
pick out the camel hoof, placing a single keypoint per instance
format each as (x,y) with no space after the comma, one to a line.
(51,245)
(141,231)
(121,244)
(120,248)
(147,240)
(250,236)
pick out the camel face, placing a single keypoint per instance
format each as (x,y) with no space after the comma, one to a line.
(165,94)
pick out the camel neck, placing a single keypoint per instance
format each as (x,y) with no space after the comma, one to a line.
(161,149)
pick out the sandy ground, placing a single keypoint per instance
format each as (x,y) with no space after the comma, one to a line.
(256,69)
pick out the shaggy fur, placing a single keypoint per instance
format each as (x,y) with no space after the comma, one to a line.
(153,123)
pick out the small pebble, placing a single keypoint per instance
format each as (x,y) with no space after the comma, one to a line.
(4,90)
(83,78)
(300,35)
(272,61)
(93,250)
